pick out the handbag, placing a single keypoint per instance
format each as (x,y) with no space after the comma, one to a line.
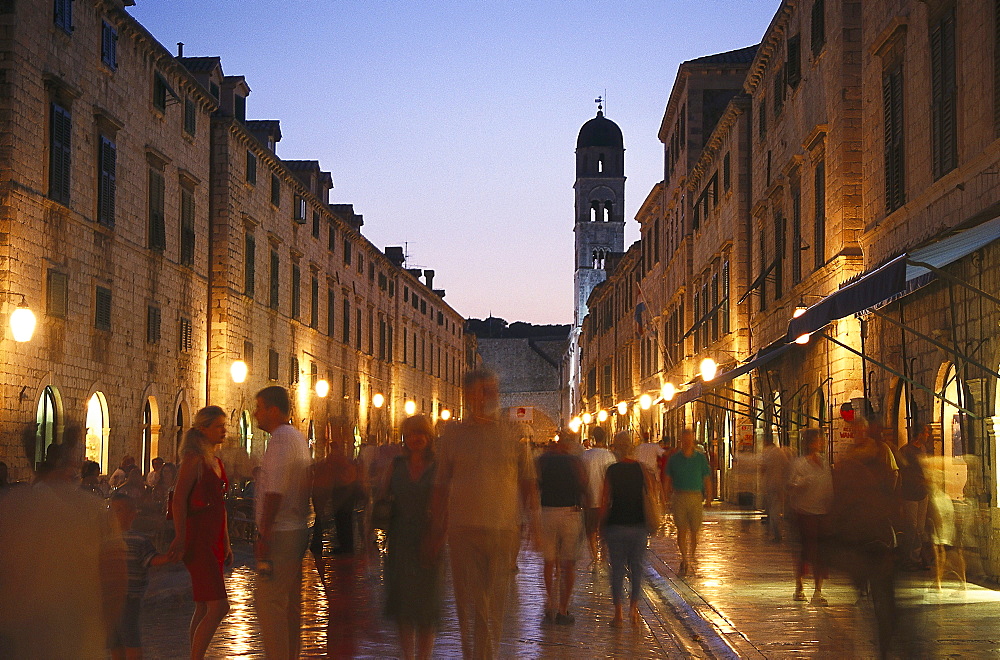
(652,500)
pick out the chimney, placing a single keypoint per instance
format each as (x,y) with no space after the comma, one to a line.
(180,49)
(429,279)
(416,272)
(395,255)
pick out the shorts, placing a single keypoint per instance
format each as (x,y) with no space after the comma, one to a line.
(561,532)
(688,508)
(126,633)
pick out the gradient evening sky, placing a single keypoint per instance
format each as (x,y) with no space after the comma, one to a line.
(451,126)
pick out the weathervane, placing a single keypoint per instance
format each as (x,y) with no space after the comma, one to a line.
(600,103)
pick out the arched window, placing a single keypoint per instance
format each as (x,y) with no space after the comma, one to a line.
(150,433)
(46,420)
(608,206)
(246,431)
(600,163)
(98,428)
(955,427)
(179,432)
(595,211)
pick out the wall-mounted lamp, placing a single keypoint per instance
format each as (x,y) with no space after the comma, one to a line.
(410,407)
(622,407)
(378,400)
(602,416)
(239,370)
(708,368)
(668,391)
(645,402)
(322,388)
(22,321)
(445,414)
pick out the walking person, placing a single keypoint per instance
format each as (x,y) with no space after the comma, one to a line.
(595,463)
(282,516)
(913,490)
(485,477)
(811,495)
(201,535)
(562,487)
(687,483)
(774,475)
(624,525)
(413,580)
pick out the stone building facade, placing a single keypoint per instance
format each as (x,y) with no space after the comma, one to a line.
(129,214)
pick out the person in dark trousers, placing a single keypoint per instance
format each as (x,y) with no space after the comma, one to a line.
(562,486)
(913,491)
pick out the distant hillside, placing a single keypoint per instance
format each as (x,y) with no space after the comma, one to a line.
(497,328)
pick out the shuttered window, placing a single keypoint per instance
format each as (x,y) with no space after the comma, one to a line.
(159,93)
(793,66)
(818,27)
(819,215)
(157,228)
(152,324)
(724,306)
(60,153)
(186,336)
(892,111)
(107,155)
(109,45)
(293,371)
(796,235)
(314,299)
(57,294)
(275,190)
(190,117)
(273,291)
(102,308)
(346,321)
(944,93)
(296,291)
(63,16)
(272,364)
(249,264)
(251,168)
(331,308)
(187,227)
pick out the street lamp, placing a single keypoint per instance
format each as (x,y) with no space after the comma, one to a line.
(668,391)
(708,368)
(622,407)
(574,424)
(587,418)
(239,370)
(645,401)
(378,400)
(445,414)
(602,416)
(22,322)
(802,339)
(322,388)
(410,407)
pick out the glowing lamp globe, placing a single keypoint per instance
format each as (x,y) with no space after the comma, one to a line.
(239,371)
(668,391)
(378,400)
(602,416)
(645,401)
(446,414)
(802,339)
(322,388)
(22,324)
(410,407)
(574,424)
(587,418)
(622,407)
(709,369)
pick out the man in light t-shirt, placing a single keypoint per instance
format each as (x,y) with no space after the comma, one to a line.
(596,461)
(282,512)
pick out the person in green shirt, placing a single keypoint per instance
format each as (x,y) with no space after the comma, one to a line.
(687,483)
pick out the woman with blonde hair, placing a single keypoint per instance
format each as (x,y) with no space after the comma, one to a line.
(201,534)
(413,582)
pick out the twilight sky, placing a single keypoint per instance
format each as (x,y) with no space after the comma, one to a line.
(451,125)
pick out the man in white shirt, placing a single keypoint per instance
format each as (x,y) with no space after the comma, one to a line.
(282,512)
(648,453)
(595,462)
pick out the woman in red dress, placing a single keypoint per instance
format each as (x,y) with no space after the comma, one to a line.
(201,533)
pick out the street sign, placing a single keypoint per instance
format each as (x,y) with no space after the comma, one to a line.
(522,413)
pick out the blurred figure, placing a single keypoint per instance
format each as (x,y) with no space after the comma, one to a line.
(135,485)
(864,483)
(155,472)
(810,488)
(595,462)
(688,486)
(62,563)
(282,507)
(649,453)
(913,491)
(119,476)
(413,580)
(774,475)
(334,495)
(944,530)
(201,534)
(125,640)
(484,473)
(90,475)
(3,476)
(624,525)
(562,487)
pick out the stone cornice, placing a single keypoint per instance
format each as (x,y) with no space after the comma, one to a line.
(772,37)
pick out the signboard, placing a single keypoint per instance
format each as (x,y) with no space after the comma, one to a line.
(522,413)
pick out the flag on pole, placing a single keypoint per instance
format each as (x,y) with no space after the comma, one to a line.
(640,310)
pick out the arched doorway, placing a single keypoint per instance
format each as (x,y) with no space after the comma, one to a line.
(150,433)
(180,420)
(98,430)
(47,421)
(951,445)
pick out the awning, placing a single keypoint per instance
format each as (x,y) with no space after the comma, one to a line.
(903,274)
(757,282)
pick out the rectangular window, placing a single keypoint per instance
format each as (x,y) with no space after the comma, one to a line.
(819,215)
(248,353)
(371,332)
(382,338)
(107,156)
(347,252)
(330,312)
(187,227)
(892,112)
(944,93)
(315,224)
(159,93)
(779,90)
(60,153)
(357,328)
(331,238)
(157,222)
(190,117)
(63,16)
(240,107)
(293,370)
(109,45)
(818,27)
(314,310)
(298,209)
(727,173)
(724,306)
(406,346)
(249,265)
(715,306)
(697,319)
(296,291)
(57,294)
(275,191)
(779,256)
(186,336)
(793,65)
(796,235)
(762,119)
(152,325)
(272,299)
(764,265)
(272,364)
(423,353)
(251,168)
(346,321)
(102,308)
